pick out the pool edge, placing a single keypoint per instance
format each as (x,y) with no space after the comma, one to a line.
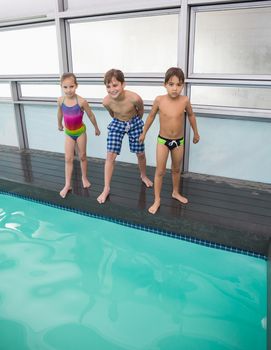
(139,219)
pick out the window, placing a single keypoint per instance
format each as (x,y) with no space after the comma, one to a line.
(231,96)
(15,9)
(41,121)
(30,50)
(233,41)
(99,91)
(119,5)
(232,148)
(8,133)
(5,90)
(40,90)
(144,44)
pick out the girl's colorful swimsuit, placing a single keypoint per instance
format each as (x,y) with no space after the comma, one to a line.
(73,120)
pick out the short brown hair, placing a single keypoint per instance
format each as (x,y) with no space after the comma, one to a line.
(67,76)
(174,71)
(114,73)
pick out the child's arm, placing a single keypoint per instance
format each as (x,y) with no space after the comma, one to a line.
(149,119)
(91,116)
(59,114)
(192,121)
(139,105)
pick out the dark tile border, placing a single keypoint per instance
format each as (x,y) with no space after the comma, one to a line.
(120,215)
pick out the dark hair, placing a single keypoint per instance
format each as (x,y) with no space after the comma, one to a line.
(174,71)
(67,76)
(114,73)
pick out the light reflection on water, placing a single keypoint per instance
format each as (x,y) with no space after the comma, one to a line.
(72,282)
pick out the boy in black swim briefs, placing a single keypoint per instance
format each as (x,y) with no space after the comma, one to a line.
(171,108)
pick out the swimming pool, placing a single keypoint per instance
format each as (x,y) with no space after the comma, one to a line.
(74,282)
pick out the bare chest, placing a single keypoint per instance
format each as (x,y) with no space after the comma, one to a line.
(172,111)
(123,109)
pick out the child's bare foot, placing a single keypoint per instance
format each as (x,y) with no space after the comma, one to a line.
(64,191)
(103,196)
(86,183)
(146,181)
(179,198)
(153,209)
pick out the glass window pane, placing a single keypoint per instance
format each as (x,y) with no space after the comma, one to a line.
(29,51)
(99,6)
(99,91)
(145,44)
(40,90)
(87,91)
(234,41)
(5,90)
(232,148)
(18,9)
(147,92)
(91,91)
(42,131)
(229,96)
(8,131)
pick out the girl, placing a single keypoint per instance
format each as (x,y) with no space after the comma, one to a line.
(72,108)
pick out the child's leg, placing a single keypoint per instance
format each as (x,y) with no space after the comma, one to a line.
(82,144)
(142,168)
(114,142)
(138,148)
(177,157)
(69,156)
(108,172)
(161,160)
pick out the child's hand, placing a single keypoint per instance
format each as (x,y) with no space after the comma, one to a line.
(141,138)
(97,132)
(60,127)
(196,138)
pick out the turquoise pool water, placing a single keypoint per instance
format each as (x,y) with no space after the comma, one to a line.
(72,282)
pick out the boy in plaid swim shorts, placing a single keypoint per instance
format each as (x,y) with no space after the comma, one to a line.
(126,108)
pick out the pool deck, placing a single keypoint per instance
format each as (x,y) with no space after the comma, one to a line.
(227,212)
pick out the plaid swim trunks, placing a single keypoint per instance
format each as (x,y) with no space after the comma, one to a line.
(116,131)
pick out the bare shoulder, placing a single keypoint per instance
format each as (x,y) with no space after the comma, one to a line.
(81,101)
(160,98)
(60,100)
(132,96)
(106,101)
(184,99)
